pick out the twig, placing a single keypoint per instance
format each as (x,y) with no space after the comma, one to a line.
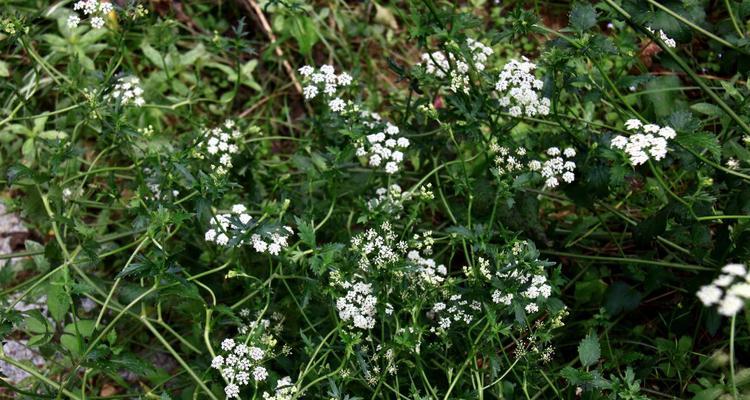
(266,27)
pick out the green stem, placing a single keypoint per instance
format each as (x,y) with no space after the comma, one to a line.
(696,27)
(687,267)
(198,380)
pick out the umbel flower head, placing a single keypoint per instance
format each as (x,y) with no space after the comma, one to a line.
(127,91)
(730,291)
(218,146)
(95,10)
(649,141)
(325,81)
(383,146)
(519,89)
(233,228)
(456,66)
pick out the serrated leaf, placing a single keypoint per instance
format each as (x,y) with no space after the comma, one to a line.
(700,141)
(58,301)
(589,350)
(306,232)
(582,16)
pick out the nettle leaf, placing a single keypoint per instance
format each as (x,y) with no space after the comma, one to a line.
(58,299)
(621,297)
(582,17)
(306,232)
(589,350)
(700,141)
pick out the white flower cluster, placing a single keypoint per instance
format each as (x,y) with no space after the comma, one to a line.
(217,145)
(536,289)
(558,167)
(390,199)
(358,305)
(522,279)
(507,161)
(128,91)
(380,251)
(231,229)
(376,250)
(458,309)
(383,147)
(730,291)
(96,9)
(664,38)
(285,390)
(238,364)
(429,273)
(518,89)
(650,141)
(439,65)
(326,81)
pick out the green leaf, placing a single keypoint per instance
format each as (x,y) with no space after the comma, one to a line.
(41,262)
(621,297)
(58,300)
(589,350)
(582,17)
(53,135)
(152,54)
(707,109)
(700,141)
(306,232)
(302,29)
(4,71)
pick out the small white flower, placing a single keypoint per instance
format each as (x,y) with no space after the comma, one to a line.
(734,269)
(232,391)
(306,70)
(709,295)
(260,374)
(730,305)
(217,362)
(227,344)
(337,105)
(97,22)
(73,21)
(310,92)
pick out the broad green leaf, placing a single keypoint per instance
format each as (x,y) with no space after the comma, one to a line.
(53,135)
(303,30)
(189,58)
(152,54)
(621,297)
(582,17)
(707,109)
(58,300)
(589,350)
(4,71)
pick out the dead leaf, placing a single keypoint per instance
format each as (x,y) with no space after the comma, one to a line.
(384,16)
